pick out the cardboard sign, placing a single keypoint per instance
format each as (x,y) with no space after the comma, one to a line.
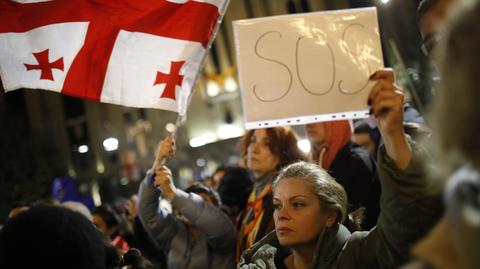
(302,68)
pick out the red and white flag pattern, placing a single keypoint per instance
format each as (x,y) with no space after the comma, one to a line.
(134,53)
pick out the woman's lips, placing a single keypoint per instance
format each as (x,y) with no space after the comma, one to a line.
(284,230)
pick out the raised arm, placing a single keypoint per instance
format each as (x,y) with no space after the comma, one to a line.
(208,218)
(386,101)
(410,204)
(161,224)
(158,221)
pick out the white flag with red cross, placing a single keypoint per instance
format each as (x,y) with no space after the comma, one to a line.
(134,53)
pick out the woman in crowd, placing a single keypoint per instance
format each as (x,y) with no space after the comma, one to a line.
(265,152)
(199,234)
(309,209)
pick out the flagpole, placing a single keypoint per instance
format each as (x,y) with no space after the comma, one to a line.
(182,117)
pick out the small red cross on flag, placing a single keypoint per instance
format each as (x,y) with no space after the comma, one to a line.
(44,65)
(133,53)
(171,80)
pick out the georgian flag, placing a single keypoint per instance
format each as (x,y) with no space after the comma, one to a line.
(138,53)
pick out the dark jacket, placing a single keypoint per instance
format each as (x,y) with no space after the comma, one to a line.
(409,210)
(356,171)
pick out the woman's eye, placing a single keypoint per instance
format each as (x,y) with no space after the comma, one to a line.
(276,206)
(298,205)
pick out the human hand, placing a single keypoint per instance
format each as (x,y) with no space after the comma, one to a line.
(386,101)
(131,207)
(166,150)
(164,181)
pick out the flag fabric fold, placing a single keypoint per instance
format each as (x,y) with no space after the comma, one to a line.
(128,52)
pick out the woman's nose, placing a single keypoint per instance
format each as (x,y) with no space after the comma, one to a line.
(282,213)
(254,147)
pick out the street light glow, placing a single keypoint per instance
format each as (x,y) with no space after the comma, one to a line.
(83,149)
(110,144)
(304,145)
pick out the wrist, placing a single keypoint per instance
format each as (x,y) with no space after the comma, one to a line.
(398,149)
(170,194)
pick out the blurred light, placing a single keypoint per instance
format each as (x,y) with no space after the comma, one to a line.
(83,149)
(229,131)
(170,127)
(202,140)
(201,162)
(304,145)
(233,160)
(83,188)
(230,84)
(96,194)
(110,144)
(100,167)
(124,181)
(212,88)
(384,1)
(71,172)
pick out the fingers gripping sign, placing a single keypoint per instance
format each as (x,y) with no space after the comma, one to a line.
(386,105)
(386,101)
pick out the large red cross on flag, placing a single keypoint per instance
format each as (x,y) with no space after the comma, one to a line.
(134,53)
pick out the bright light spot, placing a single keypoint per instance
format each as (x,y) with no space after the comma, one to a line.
(385,1)
(96,194)
(304,145)
(170,127)
(229,131)
(202,140)
(230,84)
(212,88)
(110,144)
(201,162)
(83,149)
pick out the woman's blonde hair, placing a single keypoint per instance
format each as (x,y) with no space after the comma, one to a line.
(332,196)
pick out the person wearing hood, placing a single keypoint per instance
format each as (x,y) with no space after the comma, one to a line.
(350,164)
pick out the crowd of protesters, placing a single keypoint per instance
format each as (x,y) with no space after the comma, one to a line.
(370,194)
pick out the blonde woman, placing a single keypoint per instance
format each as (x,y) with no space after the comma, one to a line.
(309,209)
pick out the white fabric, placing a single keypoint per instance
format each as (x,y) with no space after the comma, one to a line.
(16,50)
(133,66)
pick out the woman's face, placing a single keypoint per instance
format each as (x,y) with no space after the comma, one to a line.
(299,218)
(260,158)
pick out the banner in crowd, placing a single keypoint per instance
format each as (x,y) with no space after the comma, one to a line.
(134,53)
(301,68)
